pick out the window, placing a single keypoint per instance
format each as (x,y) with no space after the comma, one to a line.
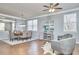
(2,26)
(13,26)
(29,25)
(32,25)
(70,22)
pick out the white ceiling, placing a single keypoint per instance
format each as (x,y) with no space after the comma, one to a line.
(30,9)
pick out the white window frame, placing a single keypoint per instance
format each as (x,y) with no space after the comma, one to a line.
(70,22)
(31,25)
(2,26)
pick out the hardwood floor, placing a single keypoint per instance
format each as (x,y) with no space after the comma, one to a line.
(28,48)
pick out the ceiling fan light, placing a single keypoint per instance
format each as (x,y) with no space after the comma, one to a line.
(51,10)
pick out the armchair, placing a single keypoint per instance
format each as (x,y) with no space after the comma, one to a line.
(65,46)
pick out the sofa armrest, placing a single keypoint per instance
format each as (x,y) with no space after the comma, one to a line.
(55,45)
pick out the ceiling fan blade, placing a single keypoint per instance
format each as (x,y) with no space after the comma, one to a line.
(56,4)
(58,8)
(45,10)
(46,6)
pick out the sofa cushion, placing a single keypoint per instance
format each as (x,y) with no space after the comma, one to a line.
(64,36)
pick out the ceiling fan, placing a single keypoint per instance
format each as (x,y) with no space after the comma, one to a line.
(52,7)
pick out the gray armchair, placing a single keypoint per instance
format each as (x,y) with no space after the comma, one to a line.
(65,46)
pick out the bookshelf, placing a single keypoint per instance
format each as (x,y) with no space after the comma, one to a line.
(48,30)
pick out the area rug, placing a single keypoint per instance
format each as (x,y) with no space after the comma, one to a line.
(47,49)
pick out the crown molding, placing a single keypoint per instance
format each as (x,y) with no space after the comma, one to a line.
(13,17)
(64,11)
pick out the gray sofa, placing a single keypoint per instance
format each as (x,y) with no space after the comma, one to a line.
(65,46)
(64,36)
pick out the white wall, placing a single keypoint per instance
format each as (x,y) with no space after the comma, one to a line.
(58,25)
